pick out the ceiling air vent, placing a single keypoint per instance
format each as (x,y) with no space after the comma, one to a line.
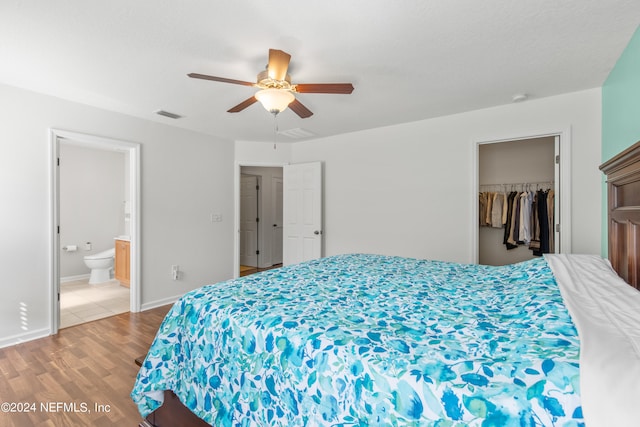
(168,114)
(296,133)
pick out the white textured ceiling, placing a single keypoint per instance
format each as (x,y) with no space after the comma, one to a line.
(408,60)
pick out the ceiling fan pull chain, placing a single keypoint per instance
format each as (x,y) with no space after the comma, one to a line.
(275,130)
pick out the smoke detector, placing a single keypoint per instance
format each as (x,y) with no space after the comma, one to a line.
(519,97)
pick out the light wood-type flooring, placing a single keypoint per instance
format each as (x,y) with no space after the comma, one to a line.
(245,270)
(80,377)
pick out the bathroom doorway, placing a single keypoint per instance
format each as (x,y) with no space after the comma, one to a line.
(95,206)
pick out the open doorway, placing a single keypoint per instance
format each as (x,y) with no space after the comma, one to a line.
(94,219)
(260,204)
(521,175)
(95,206)
(535,165)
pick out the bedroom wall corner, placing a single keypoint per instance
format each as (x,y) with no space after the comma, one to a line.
(620,106)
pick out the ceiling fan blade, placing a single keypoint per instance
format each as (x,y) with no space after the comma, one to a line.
(244,104)
(302,111)
(278,64)
(344,88)
(219,79)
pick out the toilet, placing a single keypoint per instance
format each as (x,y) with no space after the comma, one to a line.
(100,264)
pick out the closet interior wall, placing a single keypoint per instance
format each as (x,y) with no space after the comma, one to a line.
(509,165)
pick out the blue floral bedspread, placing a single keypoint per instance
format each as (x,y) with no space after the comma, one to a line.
(369,340)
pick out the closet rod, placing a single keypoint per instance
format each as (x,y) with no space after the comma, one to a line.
(513,184)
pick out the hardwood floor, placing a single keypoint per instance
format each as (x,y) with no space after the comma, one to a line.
(82,376)
(245,271)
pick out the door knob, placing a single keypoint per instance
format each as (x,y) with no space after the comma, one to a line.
(317,232)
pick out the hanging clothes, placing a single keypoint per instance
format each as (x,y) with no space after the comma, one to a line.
(508,237)
(487,216)
(543,220)
(534,245)
(551,218)
(490,209)
(505,203)
(527,217)
(526,200)
(496,210)
(545,209)
(482,208)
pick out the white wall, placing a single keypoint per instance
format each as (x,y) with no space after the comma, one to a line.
(92,196)
(409,189)
(250,153)
(185,176)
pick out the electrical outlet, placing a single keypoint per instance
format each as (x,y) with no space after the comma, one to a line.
(175,272)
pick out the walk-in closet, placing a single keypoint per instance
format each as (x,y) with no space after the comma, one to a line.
(517,200)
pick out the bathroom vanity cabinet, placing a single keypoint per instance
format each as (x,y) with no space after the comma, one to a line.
(122,262)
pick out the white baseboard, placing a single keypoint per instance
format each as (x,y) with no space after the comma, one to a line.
(159,303)
(74,278)
(24,337)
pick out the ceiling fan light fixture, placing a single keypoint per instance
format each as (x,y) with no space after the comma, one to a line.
(275,100)
(275,91)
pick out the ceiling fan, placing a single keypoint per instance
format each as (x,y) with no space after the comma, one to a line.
(276,91)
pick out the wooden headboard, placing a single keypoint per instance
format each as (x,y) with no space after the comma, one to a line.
(623,213)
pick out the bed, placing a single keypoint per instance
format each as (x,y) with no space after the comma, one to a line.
(372,340)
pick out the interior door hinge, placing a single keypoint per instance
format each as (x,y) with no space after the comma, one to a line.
(257,219)
(557,228)
(58,229)
(557,159)
(58,161)
(257,252)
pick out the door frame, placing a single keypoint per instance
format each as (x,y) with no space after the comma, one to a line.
(92,141)
(563,175)
(237,171)
(274,205)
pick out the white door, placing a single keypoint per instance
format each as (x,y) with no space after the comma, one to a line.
(302,216)
(276,237)
(249,220)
